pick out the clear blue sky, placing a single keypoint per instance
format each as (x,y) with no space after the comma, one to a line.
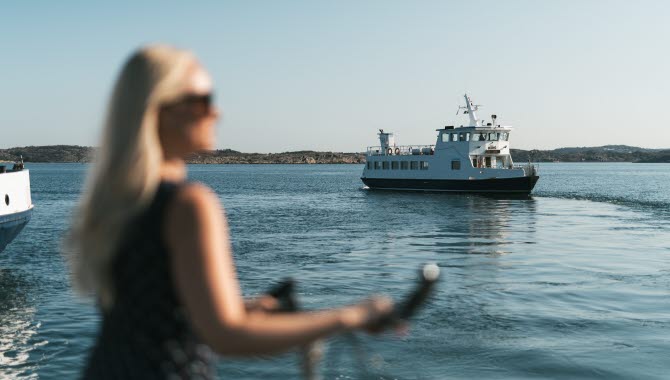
(325,75)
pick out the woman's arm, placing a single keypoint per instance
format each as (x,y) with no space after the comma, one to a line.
(204,273)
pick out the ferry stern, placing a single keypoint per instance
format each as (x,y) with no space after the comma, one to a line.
(15,202)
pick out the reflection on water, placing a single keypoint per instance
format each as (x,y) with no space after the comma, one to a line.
(458,223)
(17,326)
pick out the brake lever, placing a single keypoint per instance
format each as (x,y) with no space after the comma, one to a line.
(403,311)
(284,293)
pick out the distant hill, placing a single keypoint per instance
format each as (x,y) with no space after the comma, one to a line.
(74,153)
(608,153)
(300,157)
(607,149)
(49,153)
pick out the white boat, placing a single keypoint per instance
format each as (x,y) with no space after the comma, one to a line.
(472,158)
(16,206)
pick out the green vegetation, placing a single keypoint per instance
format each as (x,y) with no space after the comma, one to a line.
(74,153)
(609,153)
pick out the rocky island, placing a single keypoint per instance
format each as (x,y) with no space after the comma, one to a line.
(83,154)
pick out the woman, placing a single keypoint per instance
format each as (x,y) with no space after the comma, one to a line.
(155,250)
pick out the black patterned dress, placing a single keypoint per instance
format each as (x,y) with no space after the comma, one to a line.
(146,334)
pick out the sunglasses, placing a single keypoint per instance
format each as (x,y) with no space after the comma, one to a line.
(199,104)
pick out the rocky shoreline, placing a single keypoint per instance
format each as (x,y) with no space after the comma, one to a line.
(83,154)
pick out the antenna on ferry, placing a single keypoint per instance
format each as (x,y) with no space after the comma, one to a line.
(470,109)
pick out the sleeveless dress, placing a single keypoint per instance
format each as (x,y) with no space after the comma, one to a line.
(146,334)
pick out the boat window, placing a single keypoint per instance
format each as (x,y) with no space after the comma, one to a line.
(394,165)
(474,162)
(404,165)
(445,137)
(505,136)
(424,164)
(377,166)
(454,137)
(385,165)
(481,137)
(414,165)
(369,165)
(464,136)
(456,165)
(493,137)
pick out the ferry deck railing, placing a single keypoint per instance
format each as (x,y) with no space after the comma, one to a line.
(401,150)
(528,169)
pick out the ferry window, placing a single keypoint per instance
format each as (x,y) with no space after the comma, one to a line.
(454,137)
(385,165)
(424,165)
(414,165)
(464,136)
(377,166)
(505,136)
(481,137)
(456,165)
(404,165)
(445,137)
(394,165)
(369,165)
(474,162)
(493,137)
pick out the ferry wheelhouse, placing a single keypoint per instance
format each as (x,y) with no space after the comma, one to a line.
(473,158)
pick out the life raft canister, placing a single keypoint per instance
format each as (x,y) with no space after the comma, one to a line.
(389,151)
(397,151)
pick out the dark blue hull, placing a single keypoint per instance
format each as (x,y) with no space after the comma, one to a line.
(518,185)
(11,225)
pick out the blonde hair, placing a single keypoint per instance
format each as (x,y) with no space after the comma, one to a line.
(126,172)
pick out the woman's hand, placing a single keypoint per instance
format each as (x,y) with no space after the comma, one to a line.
(262,304)
(368,315)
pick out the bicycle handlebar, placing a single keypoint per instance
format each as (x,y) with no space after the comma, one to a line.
(284,292)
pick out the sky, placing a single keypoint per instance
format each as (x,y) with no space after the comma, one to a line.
(326,75)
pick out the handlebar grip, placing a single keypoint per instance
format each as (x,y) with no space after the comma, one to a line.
(429,275)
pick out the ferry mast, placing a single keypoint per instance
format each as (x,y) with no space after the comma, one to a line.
(470,109)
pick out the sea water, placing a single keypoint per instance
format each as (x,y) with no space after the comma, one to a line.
(573,282)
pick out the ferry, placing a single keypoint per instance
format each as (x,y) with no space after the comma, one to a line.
(16,205)
(472,158)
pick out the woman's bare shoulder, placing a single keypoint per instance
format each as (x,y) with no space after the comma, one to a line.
(195,193)
(192,202)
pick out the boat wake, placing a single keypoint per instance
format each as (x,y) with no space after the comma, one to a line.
(647,205)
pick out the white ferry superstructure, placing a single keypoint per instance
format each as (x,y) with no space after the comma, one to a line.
(473,158)
(16,205)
